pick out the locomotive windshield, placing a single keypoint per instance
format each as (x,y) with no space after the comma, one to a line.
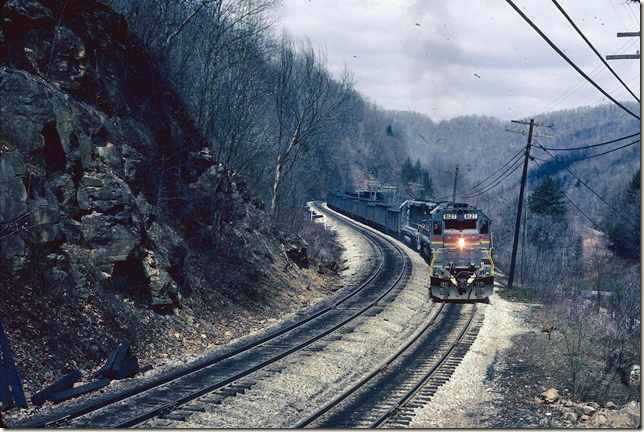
(460,224)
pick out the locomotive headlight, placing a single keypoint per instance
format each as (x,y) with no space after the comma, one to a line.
(461,243)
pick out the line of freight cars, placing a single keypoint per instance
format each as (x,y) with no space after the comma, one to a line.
(454,238)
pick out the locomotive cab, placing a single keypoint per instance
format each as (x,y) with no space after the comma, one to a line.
(461,267)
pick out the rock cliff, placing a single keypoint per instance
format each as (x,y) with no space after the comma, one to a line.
(110,201)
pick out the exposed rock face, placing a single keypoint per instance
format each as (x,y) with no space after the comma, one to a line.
(592,414)
(104,175)
(297,251)
(113,212)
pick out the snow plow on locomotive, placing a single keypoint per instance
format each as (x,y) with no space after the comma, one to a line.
(454,238)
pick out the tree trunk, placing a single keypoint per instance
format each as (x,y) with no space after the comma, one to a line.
(276,183)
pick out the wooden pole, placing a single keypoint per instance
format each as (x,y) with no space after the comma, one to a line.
(455,179)
(518,221)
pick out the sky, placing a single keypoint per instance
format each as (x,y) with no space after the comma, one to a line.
(449,58)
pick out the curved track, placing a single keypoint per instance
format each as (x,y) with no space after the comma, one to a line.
(390,393)
(168,395)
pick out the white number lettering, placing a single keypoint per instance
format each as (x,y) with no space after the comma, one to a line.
(449,216)
(471,216)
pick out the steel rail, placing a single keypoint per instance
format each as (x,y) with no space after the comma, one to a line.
(198,366)
(196,394)
(402,400)
(176,403)
(319,413)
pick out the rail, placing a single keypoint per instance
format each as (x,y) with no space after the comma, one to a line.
(204,366)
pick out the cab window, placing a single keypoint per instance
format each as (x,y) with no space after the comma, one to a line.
(484,227)
(437,228)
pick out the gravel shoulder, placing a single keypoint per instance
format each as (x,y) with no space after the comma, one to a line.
(469,398)
(502,380)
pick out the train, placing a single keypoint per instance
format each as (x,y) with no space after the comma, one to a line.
(454,238)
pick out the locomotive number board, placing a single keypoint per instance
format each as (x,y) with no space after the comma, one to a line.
(453,216)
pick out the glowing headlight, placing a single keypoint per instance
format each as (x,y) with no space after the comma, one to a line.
(461,243)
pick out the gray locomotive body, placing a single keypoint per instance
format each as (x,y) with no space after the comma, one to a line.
(454,238)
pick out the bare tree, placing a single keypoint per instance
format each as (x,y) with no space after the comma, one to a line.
(307,99)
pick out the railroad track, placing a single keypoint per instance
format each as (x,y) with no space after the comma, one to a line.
(389,395)
(176,395)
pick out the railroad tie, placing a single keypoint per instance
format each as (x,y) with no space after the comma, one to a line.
(174,416)
(194,408)
(398,423)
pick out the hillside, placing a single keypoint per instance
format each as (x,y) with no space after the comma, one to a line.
(116,221)
(482,144)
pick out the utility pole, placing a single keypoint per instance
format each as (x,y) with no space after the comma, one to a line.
(518,222)
(635,56)
(455,179)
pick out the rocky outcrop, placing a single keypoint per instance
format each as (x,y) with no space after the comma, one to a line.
(296,250)
(116,222)
(592,414)
(105,178)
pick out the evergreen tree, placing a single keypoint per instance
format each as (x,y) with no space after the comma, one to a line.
(547,199)
(389,131)
(634,185)
(418,170)
(407,171)
(624,237)
(427,184)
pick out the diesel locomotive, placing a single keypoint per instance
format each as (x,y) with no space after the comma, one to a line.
(454,238)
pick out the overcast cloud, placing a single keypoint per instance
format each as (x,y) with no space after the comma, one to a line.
(448,58)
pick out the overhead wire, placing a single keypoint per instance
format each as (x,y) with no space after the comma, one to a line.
(512,161)
(478,184)
(632,15)
(588,187)
(619,90)
(579,85)
(591,146)
(498,182)
(599,154)
(618,14)
(572,23)
(571,202)
(570,62)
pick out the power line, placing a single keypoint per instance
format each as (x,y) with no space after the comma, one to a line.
(593,48)
(467,194)
(579,85)
(570,62)
(571,202)
(488,188)
(539,159)
(478,184)
(598,154)
(591,146)
(588,187)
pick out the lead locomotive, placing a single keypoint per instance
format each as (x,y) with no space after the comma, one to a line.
(455,238)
